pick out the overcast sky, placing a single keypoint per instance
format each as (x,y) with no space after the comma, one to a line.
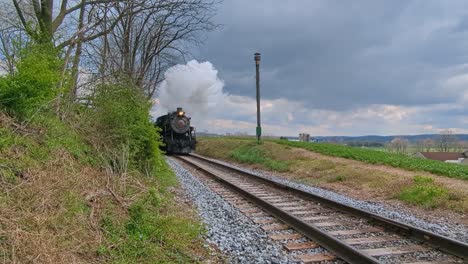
(342,67)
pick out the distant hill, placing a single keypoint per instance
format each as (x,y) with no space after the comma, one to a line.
(207,134)
(347,139)
(384,139)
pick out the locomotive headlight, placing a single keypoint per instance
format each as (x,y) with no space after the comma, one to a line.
(180,113)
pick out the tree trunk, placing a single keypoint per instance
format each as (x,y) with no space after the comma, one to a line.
(43,10)
(76,59)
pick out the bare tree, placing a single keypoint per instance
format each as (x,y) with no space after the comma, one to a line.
(398,145)
(464,145)
(12,38)
(446,140)
(55,21)
(134,39)
(66,24)
(11,42)
(458,146)
(419,146)
(149,40)
(44,21)
(428,144)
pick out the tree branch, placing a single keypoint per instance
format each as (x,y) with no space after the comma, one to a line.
(21,16)
(61,16)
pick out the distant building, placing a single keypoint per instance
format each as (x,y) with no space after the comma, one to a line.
(449,157)
(304,137)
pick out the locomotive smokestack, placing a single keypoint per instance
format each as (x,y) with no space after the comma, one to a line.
(257,68)
(179,111)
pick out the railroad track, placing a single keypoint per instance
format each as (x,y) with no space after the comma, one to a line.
(302,221)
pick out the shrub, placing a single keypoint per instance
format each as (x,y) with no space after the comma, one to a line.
(35,82)
(122,127)
(424,192)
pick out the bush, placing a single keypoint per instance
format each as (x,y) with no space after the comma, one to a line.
(35,82)
(424,192)
(122,127)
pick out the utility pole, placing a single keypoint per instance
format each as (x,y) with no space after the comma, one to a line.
(257,67)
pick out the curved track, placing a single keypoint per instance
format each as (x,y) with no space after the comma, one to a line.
(348,233)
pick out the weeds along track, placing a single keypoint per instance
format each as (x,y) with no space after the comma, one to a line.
(315,229)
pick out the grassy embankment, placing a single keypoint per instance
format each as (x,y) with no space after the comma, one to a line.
(58,205)
(418,188)
(84,184)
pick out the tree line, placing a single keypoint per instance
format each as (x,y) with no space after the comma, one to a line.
(446,141)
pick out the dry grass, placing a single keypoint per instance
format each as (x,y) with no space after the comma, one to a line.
(354,178)
(56,216)
(45,219)
(54,206)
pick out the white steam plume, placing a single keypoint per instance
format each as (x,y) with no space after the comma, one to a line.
(194,87)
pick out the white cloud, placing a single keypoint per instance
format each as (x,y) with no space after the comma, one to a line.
(286,117)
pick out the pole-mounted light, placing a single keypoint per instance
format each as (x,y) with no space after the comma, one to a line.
(257,68)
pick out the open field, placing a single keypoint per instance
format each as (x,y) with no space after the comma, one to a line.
(384,158)
(359,179)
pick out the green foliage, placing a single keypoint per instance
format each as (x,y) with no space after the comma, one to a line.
(60,135)
(149,235)
(424,192)
(423,180)
(122,121)
(254,154)
(35,82)
(385,158)
(20,153)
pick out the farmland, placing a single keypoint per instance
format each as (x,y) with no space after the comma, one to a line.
(383,158)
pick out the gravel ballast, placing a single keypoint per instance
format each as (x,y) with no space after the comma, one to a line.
(458,232)
(232,232)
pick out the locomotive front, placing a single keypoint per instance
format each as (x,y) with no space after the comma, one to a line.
(177,134)
(179,122)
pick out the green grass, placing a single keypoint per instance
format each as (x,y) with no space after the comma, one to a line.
(338,178)
(384,158)
(61,136)
(153,232)
(20,150)
(424,192)
(255,154)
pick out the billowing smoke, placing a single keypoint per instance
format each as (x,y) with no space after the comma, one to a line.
(194,86)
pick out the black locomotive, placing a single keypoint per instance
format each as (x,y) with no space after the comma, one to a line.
(177,134)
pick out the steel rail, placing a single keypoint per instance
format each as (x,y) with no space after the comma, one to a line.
(340,249)
(446,244)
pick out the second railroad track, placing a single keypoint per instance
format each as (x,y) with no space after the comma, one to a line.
(302,221)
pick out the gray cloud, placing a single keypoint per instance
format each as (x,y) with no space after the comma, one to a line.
(339,55)
(333,67)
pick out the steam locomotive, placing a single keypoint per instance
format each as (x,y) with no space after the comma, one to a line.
(176,133)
